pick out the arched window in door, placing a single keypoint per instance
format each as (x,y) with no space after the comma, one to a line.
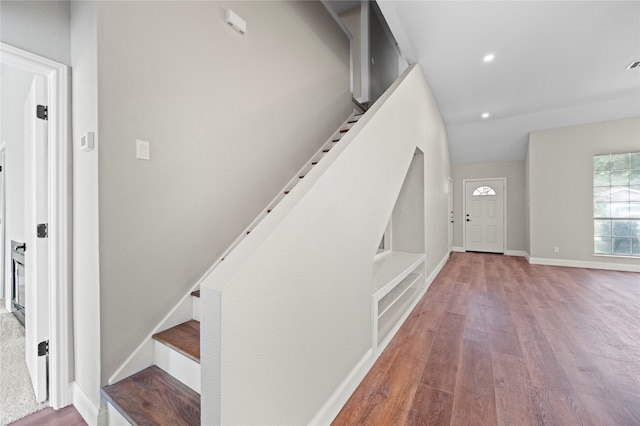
(482,191)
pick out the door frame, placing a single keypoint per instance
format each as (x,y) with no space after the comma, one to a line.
(57,76)
(450,214)
(504,207)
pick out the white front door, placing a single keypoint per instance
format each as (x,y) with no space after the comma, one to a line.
(484,215)
(37,248)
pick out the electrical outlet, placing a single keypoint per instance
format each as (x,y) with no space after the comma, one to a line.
(556,249)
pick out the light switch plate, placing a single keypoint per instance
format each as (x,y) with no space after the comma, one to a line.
(142,150)
(86,141)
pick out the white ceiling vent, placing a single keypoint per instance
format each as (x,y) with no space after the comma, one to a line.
(633,65)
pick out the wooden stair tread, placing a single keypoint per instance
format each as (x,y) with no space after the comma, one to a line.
(153,396)
(196,293)
(184,338)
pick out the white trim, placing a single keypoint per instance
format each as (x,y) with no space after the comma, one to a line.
(345,389)
(89,411)
(57,76)
(519,253)
(584,264)
(450,214)
(616,256)
(458,249)
(504,209)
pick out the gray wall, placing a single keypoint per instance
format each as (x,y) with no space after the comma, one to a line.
(514,171)
(40,27)
(230,119)
(561,186)
(352,20)
(383,65)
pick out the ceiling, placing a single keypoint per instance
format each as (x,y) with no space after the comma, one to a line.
(557,63)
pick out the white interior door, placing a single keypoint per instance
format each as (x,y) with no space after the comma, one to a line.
(37,250)
(484,216)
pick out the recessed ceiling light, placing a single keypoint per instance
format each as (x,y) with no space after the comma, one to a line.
(490,57)
(486,115)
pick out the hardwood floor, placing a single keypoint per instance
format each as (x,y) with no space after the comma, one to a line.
(496,341)
(67,416)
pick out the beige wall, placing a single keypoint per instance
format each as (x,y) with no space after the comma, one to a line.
(514,171)
(561,186)
(230,118)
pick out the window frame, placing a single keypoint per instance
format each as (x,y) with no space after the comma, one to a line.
(608,194)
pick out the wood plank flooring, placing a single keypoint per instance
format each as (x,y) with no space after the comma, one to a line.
(153,397)
(67,416)
(184,338)
(496,341)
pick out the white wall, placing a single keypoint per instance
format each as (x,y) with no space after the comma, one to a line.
(407,223)
(15,85)
(293,302)
(40,27)
(561,187)
(230,119)
(514,171)
(86,256)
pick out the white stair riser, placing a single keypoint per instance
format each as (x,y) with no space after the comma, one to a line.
(179,366)
(197,314)
(114,418)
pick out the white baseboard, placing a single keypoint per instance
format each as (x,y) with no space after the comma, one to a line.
(517,253)
(88,409)
(343,392)
(585,264)
(458,249)
(432,276)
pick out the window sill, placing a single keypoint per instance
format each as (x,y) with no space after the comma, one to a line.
(619,256)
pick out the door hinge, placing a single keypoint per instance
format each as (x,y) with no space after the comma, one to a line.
(43,348)
(42,230)
(42,111)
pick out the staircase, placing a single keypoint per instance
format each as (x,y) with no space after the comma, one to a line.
(168,392)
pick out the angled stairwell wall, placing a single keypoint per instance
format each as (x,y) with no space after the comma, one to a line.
(229,117)
(286,327)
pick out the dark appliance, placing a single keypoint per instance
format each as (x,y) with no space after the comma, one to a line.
(17,282)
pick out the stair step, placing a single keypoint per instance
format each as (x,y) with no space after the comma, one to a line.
(314,163)
(286,192)
(184,338)
(196,293)
(351,122)
(344,131)
(153,396)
